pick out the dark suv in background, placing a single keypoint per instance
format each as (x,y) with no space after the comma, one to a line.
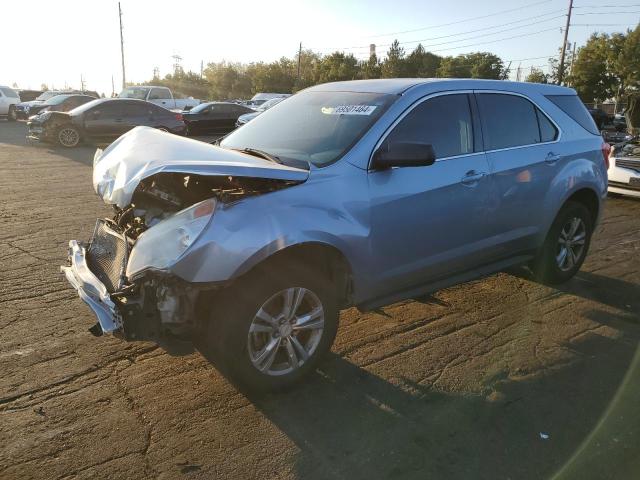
(102,121)
(60,103)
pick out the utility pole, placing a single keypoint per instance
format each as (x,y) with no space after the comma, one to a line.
(124,81)
(564,44)
(299,55)
(113,88)
(573,58)
(201,68)
(81,83)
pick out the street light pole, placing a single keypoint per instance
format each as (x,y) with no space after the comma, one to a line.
(124,82)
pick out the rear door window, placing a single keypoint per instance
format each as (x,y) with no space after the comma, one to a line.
(136,110)
(508,121)
(159,94)
(444,122)
(106,111)
(573,106)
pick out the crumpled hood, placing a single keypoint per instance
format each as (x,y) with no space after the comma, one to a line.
(146,151)
(30,103)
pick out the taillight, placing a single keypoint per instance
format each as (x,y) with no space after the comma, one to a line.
(179,117)
(606,150)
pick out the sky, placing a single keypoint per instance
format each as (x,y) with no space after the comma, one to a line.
(59,42)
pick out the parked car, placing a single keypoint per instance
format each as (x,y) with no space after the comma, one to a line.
(619,122)
(247,117)
(9,98)
(624,168)
(213,118)
(60,103)
(600,117)
(102,121)
(28,95)
(161,96)
(26,109)
(359,193)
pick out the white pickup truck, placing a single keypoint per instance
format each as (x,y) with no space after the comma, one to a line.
(160,96)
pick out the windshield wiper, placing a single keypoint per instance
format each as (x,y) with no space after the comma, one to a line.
(261,153)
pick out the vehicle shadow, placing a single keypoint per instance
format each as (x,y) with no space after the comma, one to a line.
(348,422)
(610,291)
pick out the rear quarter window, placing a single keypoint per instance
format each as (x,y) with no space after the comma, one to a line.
(573,106)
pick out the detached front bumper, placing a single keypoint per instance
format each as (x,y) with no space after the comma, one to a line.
(91,290)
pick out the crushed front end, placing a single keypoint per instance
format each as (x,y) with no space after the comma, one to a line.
(125,273)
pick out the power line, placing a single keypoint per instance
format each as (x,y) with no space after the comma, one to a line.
(461,33)
(462,21)
(605,13)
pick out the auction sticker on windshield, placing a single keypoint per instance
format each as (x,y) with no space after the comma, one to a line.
(349,110)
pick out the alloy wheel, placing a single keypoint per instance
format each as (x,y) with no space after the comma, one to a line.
(571,243)
(69,137)
(286,331)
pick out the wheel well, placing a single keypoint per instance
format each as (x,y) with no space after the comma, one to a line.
(326,259)
(589,199)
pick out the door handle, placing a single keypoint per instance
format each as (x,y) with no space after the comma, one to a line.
(472,177)
(551,158)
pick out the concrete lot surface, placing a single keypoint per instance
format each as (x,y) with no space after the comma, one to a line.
(501,378)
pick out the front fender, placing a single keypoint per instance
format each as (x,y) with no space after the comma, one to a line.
(331,210)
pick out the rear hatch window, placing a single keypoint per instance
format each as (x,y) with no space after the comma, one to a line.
(573,106)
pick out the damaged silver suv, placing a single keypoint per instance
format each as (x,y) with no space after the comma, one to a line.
(346,194)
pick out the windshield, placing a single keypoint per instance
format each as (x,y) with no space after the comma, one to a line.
(139,93)
(199,108)
(57,100)
(317,127)
(269,103)
(47,95)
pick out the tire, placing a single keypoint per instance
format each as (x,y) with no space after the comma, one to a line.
(11,115)
(68,136)
(242,321)
(558,260)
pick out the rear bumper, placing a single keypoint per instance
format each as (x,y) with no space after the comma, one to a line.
(91,290)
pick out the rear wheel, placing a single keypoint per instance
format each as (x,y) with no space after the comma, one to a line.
(12,116)
(68,136)
(273,326)
(566,245)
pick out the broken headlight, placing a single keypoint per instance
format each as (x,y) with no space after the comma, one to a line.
(164,243)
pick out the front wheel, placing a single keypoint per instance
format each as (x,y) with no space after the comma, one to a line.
(566,245)
(274,326)
(68,136)
(12,116)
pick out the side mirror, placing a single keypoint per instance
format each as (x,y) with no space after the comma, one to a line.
(403,154)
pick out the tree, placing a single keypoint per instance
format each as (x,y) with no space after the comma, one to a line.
(485,65)
(371,68)
(628,61)
(472,65)
(422,64)
(536,76)
(592,74)
(454,67)
(394,65)
(338,66)
(309,69)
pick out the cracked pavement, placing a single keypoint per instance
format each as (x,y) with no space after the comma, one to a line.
(460,384)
